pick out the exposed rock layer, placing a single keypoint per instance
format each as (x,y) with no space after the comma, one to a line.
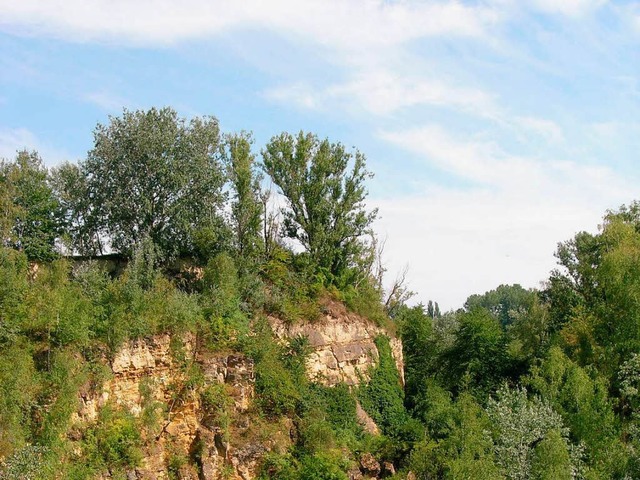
(343,350)
(343,345)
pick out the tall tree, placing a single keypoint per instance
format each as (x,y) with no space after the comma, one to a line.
(81,222)
(31,214)
(505,302)
(324,185)
(152,174)
(478,358)
(246,208)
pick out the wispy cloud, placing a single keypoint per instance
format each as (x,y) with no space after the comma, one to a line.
(338,23)
(504,228)
(13,140)
(485,163)
(572,8)
(382,92)
(547,129)
(299,95)
(107,101)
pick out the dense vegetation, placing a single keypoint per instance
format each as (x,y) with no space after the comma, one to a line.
(516,384)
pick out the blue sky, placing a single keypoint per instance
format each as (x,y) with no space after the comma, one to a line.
(495,128)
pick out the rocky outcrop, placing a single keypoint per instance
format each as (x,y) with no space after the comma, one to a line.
(342,343)
(155,367)
(154,373)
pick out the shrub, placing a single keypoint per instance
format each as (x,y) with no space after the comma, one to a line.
(115,441)
(320,467)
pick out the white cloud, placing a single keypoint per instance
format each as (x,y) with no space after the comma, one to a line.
(105,100)
(476,160)
(343,24)
(547,129)
(13,140)
(367,37)
(503,230)
(382,92)
(571,8)
(299,95)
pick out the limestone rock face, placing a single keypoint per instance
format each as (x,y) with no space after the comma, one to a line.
(151,362)
(343,350)
(343,347)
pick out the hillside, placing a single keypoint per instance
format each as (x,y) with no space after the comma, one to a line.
(162,318)
(216,429)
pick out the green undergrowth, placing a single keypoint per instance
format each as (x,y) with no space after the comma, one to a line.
(60,327)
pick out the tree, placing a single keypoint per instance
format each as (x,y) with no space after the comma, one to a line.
(30,210)
(467,451)
(326,211)
(580,396)
(505,302)
(246,209)
(152,174)
(81,224)
(418,347)
(520,426)
(478,357)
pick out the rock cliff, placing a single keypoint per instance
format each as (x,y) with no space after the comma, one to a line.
(342,345)
(152,373)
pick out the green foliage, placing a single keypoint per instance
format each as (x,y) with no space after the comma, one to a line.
(320,467)
(221,302)
(597,294)
(363,297)
(216,404)
(13,287)
(551,460)
(152,174)
(582,400)
(337,403)
(246,208)
(114,442)
(81,223)
(31,210)
(18,388)
(466,452)
(59,397)
(433,405)
(505,302)
(279,389)
(325,210)
(23,464)
(383,398)
(279,467)
(291,290)
(316,433)
(152,409)
(418,344)
(529,333)
(478,358)
(221,285)
(310,467)
(523,429)
(629,379)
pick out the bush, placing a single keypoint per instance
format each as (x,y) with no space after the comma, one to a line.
(382,397)
(115,441)
(320,467)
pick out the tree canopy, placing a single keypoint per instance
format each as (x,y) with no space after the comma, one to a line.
(30,211)
(324,185)
(153,174)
